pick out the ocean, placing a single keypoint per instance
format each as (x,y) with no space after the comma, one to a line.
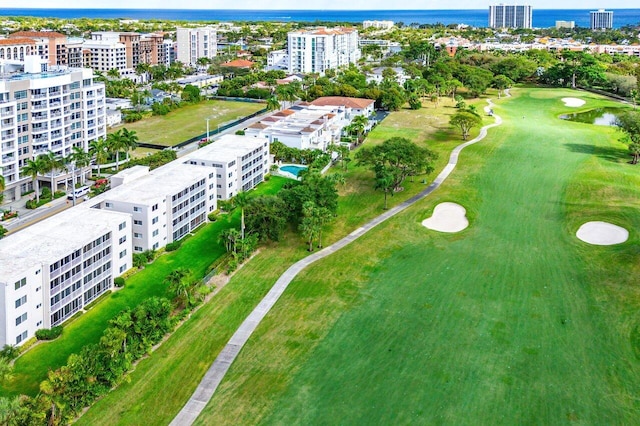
(542,18)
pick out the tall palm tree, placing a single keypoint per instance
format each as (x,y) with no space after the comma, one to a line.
(129,140)
(359,124)
(241,200)
(99,149)
(115,144)
(53,163)
(273,104)
(34,168)
(81,158)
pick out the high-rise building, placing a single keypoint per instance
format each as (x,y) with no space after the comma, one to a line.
(322,49)
(195,43)
(601,19)
(510,16)
(50,45)
(45,109)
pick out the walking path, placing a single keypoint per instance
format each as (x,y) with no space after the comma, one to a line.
(218,369)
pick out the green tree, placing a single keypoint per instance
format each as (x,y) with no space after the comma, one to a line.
(241,200)
(2,186)
(273,104)
(384,182)
(116,144)
(310,225)
(53,163)
(501,82)
(629,123)
(129,140)
(465,120)
(81,158)
(191,93)
(99,149)
(266,217)
(34,168)
(397,158)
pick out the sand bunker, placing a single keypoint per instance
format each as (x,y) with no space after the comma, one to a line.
(602,233)
(573,102)
(447,217)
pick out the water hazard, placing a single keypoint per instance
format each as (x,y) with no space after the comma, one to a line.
(598,116)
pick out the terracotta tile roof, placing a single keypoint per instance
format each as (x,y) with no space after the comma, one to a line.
(307,130)
(17,40)
(343,101)
(238,63)
(284,113)
(38,34)
(257,126)
(271,118)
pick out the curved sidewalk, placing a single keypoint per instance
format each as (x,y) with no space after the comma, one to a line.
(218,369)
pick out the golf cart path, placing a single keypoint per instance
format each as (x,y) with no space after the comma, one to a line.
(207,387)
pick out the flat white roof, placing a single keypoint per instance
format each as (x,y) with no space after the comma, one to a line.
(55,237)
(227,148)
(161,182)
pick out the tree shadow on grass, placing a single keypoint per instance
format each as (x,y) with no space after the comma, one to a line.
(608,153)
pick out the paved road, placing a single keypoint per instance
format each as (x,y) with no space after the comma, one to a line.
(218,369)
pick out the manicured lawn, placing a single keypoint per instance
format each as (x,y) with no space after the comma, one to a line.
(196,254)
(189,121)
(511,321)
(179,364)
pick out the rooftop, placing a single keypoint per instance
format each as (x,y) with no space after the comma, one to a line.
(343,101)
(49,240)
(227,148)
(38,34)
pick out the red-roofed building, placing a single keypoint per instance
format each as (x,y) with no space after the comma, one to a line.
(350,106)
(50,45)
(239,63)
(16,48)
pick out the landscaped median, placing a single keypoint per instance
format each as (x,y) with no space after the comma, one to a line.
(196,254)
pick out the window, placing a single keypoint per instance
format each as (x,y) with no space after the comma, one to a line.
(123,239)
(137,248)
(21,337)
(22,318)
(154,208)
(137,209)
(21,283)
(123,253)
(155,220)
(137,235)
(122,226)
(39,305)
(21,301)
(123,268)
(155,233)
(155,246)
(137,222)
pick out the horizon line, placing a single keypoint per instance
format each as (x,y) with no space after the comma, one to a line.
(254,9)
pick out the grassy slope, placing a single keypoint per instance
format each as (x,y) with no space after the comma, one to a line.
(180,363)
(189,121)
(511,321)
(196,254)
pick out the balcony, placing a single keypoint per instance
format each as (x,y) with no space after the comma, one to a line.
(40,129)
(56,125)
(56,114)
(39,117)
(38,107)
(8,137)
(39,96)
(7,146)
(54,104)
(6,114)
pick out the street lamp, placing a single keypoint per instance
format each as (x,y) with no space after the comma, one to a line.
(207,119)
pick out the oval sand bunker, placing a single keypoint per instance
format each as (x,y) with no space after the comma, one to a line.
(573,102)
(602,233)
(447,217)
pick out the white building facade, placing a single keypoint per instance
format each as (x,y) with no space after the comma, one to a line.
(194,43)
(165,204)
(510,16)
(601,19)
(54,268)
(43,111)
(380,25)
(322,49)
(240,163)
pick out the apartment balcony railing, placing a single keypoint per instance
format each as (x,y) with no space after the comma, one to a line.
(39,96)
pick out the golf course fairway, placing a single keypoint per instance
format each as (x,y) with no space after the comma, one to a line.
(511,321)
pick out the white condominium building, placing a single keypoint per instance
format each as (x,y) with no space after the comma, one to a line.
(601,19)
(42,111)
(381,25)
(166,203)
(322,49)
(49,45)
(104,53)
(240,163)
(53,268)
(194,43)
(510,16)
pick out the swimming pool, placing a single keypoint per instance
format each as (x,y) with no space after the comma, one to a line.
(292,169)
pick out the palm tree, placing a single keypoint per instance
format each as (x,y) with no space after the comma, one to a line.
(52,163)
(241,200)
(359,124)
(34,168)
(115,144)
(129,140)
(273,104)
(81,158)
(99,149)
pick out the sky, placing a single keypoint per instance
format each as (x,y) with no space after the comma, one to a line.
(324,4)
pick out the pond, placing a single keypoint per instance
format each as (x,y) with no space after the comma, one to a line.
(599,116)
